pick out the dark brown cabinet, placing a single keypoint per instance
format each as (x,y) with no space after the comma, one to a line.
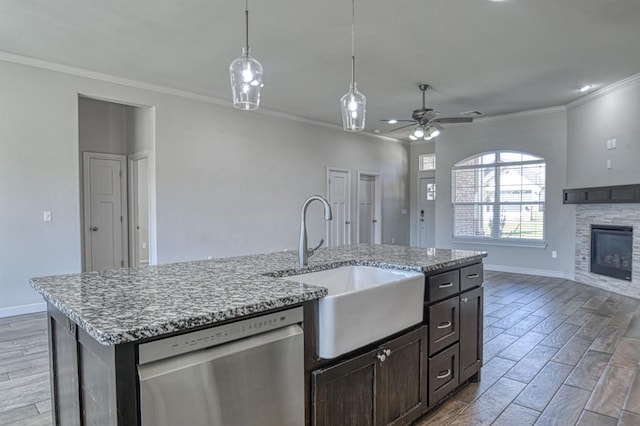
(454,319)
(470,333)
(384,386)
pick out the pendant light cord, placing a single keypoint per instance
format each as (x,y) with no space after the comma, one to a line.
(353,36)
(246,24)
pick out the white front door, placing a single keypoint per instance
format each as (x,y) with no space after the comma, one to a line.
(339,191)
(426,212)
(369,209)
(104,211)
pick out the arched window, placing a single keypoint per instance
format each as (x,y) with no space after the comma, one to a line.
(499,196)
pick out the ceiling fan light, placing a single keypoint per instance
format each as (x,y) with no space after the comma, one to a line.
(392,121)
(419,132)
(412,137)
(433,132)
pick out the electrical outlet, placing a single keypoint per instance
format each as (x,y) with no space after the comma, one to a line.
(47,216)
(554,254)
(608,164)
(393,241)
(613,143)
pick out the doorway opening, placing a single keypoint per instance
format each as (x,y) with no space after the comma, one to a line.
(117,184)
(369,208)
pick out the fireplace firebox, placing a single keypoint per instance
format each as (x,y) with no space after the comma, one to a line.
(611,250)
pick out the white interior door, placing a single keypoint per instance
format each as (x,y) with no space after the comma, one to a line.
(369,209)
(426,212)
(339,191)
(104,211)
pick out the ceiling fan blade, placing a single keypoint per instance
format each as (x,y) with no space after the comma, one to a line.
(453,120)
(397,121)
(401,127)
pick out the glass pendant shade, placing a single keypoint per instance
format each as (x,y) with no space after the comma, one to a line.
(246,81)
(353,105)
(419,132)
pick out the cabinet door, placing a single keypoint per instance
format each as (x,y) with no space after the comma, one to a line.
(443,285)
(470,333)
(403,384)
(345,394)
(471,276)
(443,374)
(443,324)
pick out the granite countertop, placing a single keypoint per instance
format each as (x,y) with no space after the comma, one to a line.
(126,305)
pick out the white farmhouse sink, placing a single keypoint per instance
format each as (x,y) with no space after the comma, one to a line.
(364,304)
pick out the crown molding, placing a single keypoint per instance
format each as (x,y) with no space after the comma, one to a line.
(618,85)
(533,112)
(136,84)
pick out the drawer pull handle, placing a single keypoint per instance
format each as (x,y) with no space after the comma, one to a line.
(443,374)
(473,276)
(444,325)
(447,285)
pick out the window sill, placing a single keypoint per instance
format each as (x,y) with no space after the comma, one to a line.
(527,244)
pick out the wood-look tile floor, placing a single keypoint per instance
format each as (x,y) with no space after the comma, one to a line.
(25,394)
(555,352)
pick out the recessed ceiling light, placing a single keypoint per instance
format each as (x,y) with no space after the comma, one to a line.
(392,121)
(585,87)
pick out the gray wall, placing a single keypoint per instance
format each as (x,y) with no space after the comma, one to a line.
(542,133)
(615,114)
(227,182)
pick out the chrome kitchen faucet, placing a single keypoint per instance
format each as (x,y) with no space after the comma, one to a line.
(303,252)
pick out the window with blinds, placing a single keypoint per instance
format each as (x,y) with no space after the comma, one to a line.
(499,196)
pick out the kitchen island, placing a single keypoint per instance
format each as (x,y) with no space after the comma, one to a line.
(97,320)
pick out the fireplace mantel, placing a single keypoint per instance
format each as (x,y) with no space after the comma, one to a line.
(602,195)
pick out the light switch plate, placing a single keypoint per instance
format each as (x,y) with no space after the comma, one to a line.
(46,216)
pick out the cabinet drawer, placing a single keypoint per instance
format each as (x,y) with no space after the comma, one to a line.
(443,285)
(443,374)
(471,276)
(443,324)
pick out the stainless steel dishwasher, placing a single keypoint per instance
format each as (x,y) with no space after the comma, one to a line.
(249,372)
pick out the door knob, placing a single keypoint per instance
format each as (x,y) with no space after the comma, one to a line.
(382,357)
(94,229)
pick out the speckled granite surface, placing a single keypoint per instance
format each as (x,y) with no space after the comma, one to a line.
(126,305)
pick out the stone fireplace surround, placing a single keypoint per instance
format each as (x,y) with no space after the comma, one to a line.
(606,214)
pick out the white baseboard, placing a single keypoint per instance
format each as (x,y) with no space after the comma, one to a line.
(528,271)
(22,309)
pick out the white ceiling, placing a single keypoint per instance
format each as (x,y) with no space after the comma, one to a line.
(495,57)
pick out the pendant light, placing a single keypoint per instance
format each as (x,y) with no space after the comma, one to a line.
(353,104)
(246,75)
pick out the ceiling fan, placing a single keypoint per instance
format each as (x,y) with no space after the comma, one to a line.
(428,126)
